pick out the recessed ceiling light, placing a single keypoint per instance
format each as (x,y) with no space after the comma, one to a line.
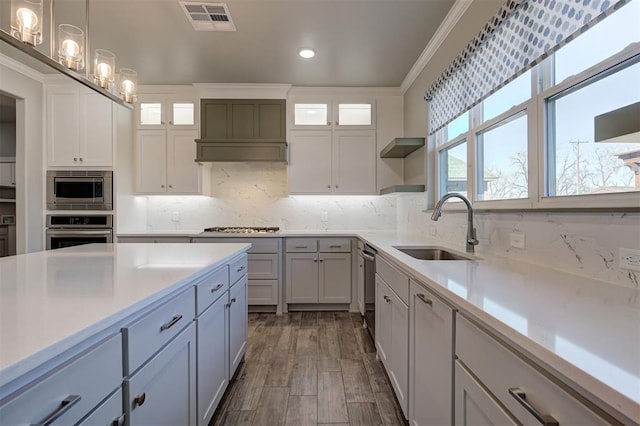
(306,53)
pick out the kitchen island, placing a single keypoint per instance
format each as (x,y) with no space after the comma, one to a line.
(60,307)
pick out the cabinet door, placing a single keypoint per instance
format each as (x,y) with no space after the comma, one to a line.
(7,174)
(335,278)
(96,130)
(271,124)
(110,412)
(430,359)
(62,126)
(310,162)
(474,405)
(399,350)
(302,277)
(183,173)
(360,284)
(216,119)
(213,358)
(151,162)
(238,324)
(163,391)
(383,321)
(4,245)
(354,162)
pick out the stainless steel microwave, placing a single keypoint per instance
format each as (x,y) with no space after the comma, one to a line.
(79,190)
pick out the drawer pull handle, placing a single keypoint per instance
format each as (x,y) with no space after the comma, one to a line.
(139,400)
(239,268)
(170,324)
(424,299)
(301,246)
(233,301)
(521,397)
(65,405)
(387,298)
(216,288)
(118,421)
(335,246)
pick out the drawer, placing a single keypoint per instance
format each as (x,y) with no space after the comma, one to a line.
(263,266)
(398,281)
(154,239)
(237,268)
(85,382)
(500,370)
(210,288)
(258,245)
(109,412)
(301,245)
(336,245)
(147,335)
(263,292)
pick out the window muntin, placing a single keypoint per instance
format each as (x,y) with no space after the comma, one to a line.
(514,93)
(150,113)
(310,114)
(576,165)
(605,39)
(453,169)
(354,114)
(183,114)
(502,161)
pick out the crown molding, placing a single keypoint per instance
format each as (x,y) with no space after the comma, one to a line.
(242,90)
(457,10)
(21,68)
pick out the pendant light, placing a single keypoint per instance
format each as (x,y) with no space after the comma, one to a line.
(104,66)
(71,46)
(128,85)
(26,21)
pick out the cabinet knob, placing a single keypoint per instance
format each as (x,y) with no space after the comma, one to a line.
(315,260)
(81,159)
(321,260)
(139,400)
(328,186)
(337,186)
(161,186)
(75,159)
(170,186)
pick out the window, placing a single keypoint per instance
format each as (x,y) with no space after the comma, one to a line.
(458,126)
(600,42)
(150,114)
(453,169)
(576,164)
(310,115)
(514,93)
(502,163)
(183,114)
(354,114)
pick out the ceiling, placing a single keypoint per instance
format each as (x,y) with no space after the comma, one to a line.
(358,42)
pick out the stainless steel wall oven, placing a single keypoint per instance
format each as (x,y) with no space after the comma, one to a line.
(80,190)
(68,230)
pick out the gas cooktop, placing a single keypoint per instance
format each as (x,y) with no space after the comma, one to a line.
(242,229)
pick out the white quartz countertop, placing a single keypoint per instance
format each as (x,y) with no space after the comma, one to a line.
(52,300)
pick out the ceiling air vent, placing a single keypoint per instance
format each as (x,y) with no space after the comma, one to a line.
(208,16)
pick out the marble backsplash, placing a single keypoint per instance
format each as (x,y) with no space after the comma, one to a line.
(585,244)
(245,194)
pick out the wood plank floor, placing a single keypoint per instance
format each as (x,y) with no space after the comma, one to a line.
(309,368)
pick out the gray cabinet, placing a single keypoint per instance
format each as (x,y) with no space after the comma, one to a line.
(430,358)
(243,119)
(238,323)
(318,270)
(163,391)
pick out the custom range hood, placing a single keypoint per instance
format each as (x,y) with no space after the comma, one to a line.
(242,130)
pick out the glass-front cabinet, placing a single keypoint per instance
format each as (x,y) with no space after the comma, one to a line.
(162,112)
(318,113)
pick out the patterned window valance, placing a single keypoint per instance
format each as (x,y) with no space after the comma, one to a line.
(519,36)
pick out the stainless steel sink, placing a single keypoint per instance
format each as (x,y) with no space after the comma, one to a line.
(432,253)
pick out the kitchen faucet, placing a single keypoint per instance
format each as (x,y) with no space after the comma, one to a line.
(471,231)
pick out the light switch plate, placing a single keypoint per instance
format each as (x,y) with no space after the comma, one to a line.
(629,259)
(516,240)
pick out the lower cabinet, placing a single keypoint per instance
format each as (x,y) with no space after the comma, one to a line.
(108,413)
(392,339)
(430,358)
(212,358)
(238,324)
(163,391)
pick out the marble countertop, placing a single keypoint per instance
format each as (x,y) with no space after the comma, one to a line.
(586,332)
(52,300)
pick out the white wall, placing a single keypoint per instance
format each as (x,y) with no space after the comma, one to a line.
(19,83)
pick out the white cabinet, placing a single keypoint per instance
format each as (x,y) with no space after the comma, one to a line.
(163,391)
(165,162)
(392,339)
(318,271)
(8,174)
(430,358)
(332,162)
(80,128)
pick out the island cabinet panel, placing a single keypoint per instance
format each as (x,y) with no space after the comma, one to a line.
(514,383)
(238,323)
(110,412)
(163,391)
(148,334)
(70,392)
(212,287)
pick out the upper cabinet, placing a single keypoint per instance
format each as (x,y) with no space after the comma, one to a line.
(315,114)
(80,127)
(162,112)
(243,120)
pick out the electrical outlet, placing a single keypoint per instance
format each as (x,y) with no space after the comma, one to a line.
(324,216)
(175,217)
(629,259)
(516,240)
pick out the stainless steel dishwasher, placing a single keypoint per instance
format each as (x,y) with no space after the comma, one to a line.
(369,256)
